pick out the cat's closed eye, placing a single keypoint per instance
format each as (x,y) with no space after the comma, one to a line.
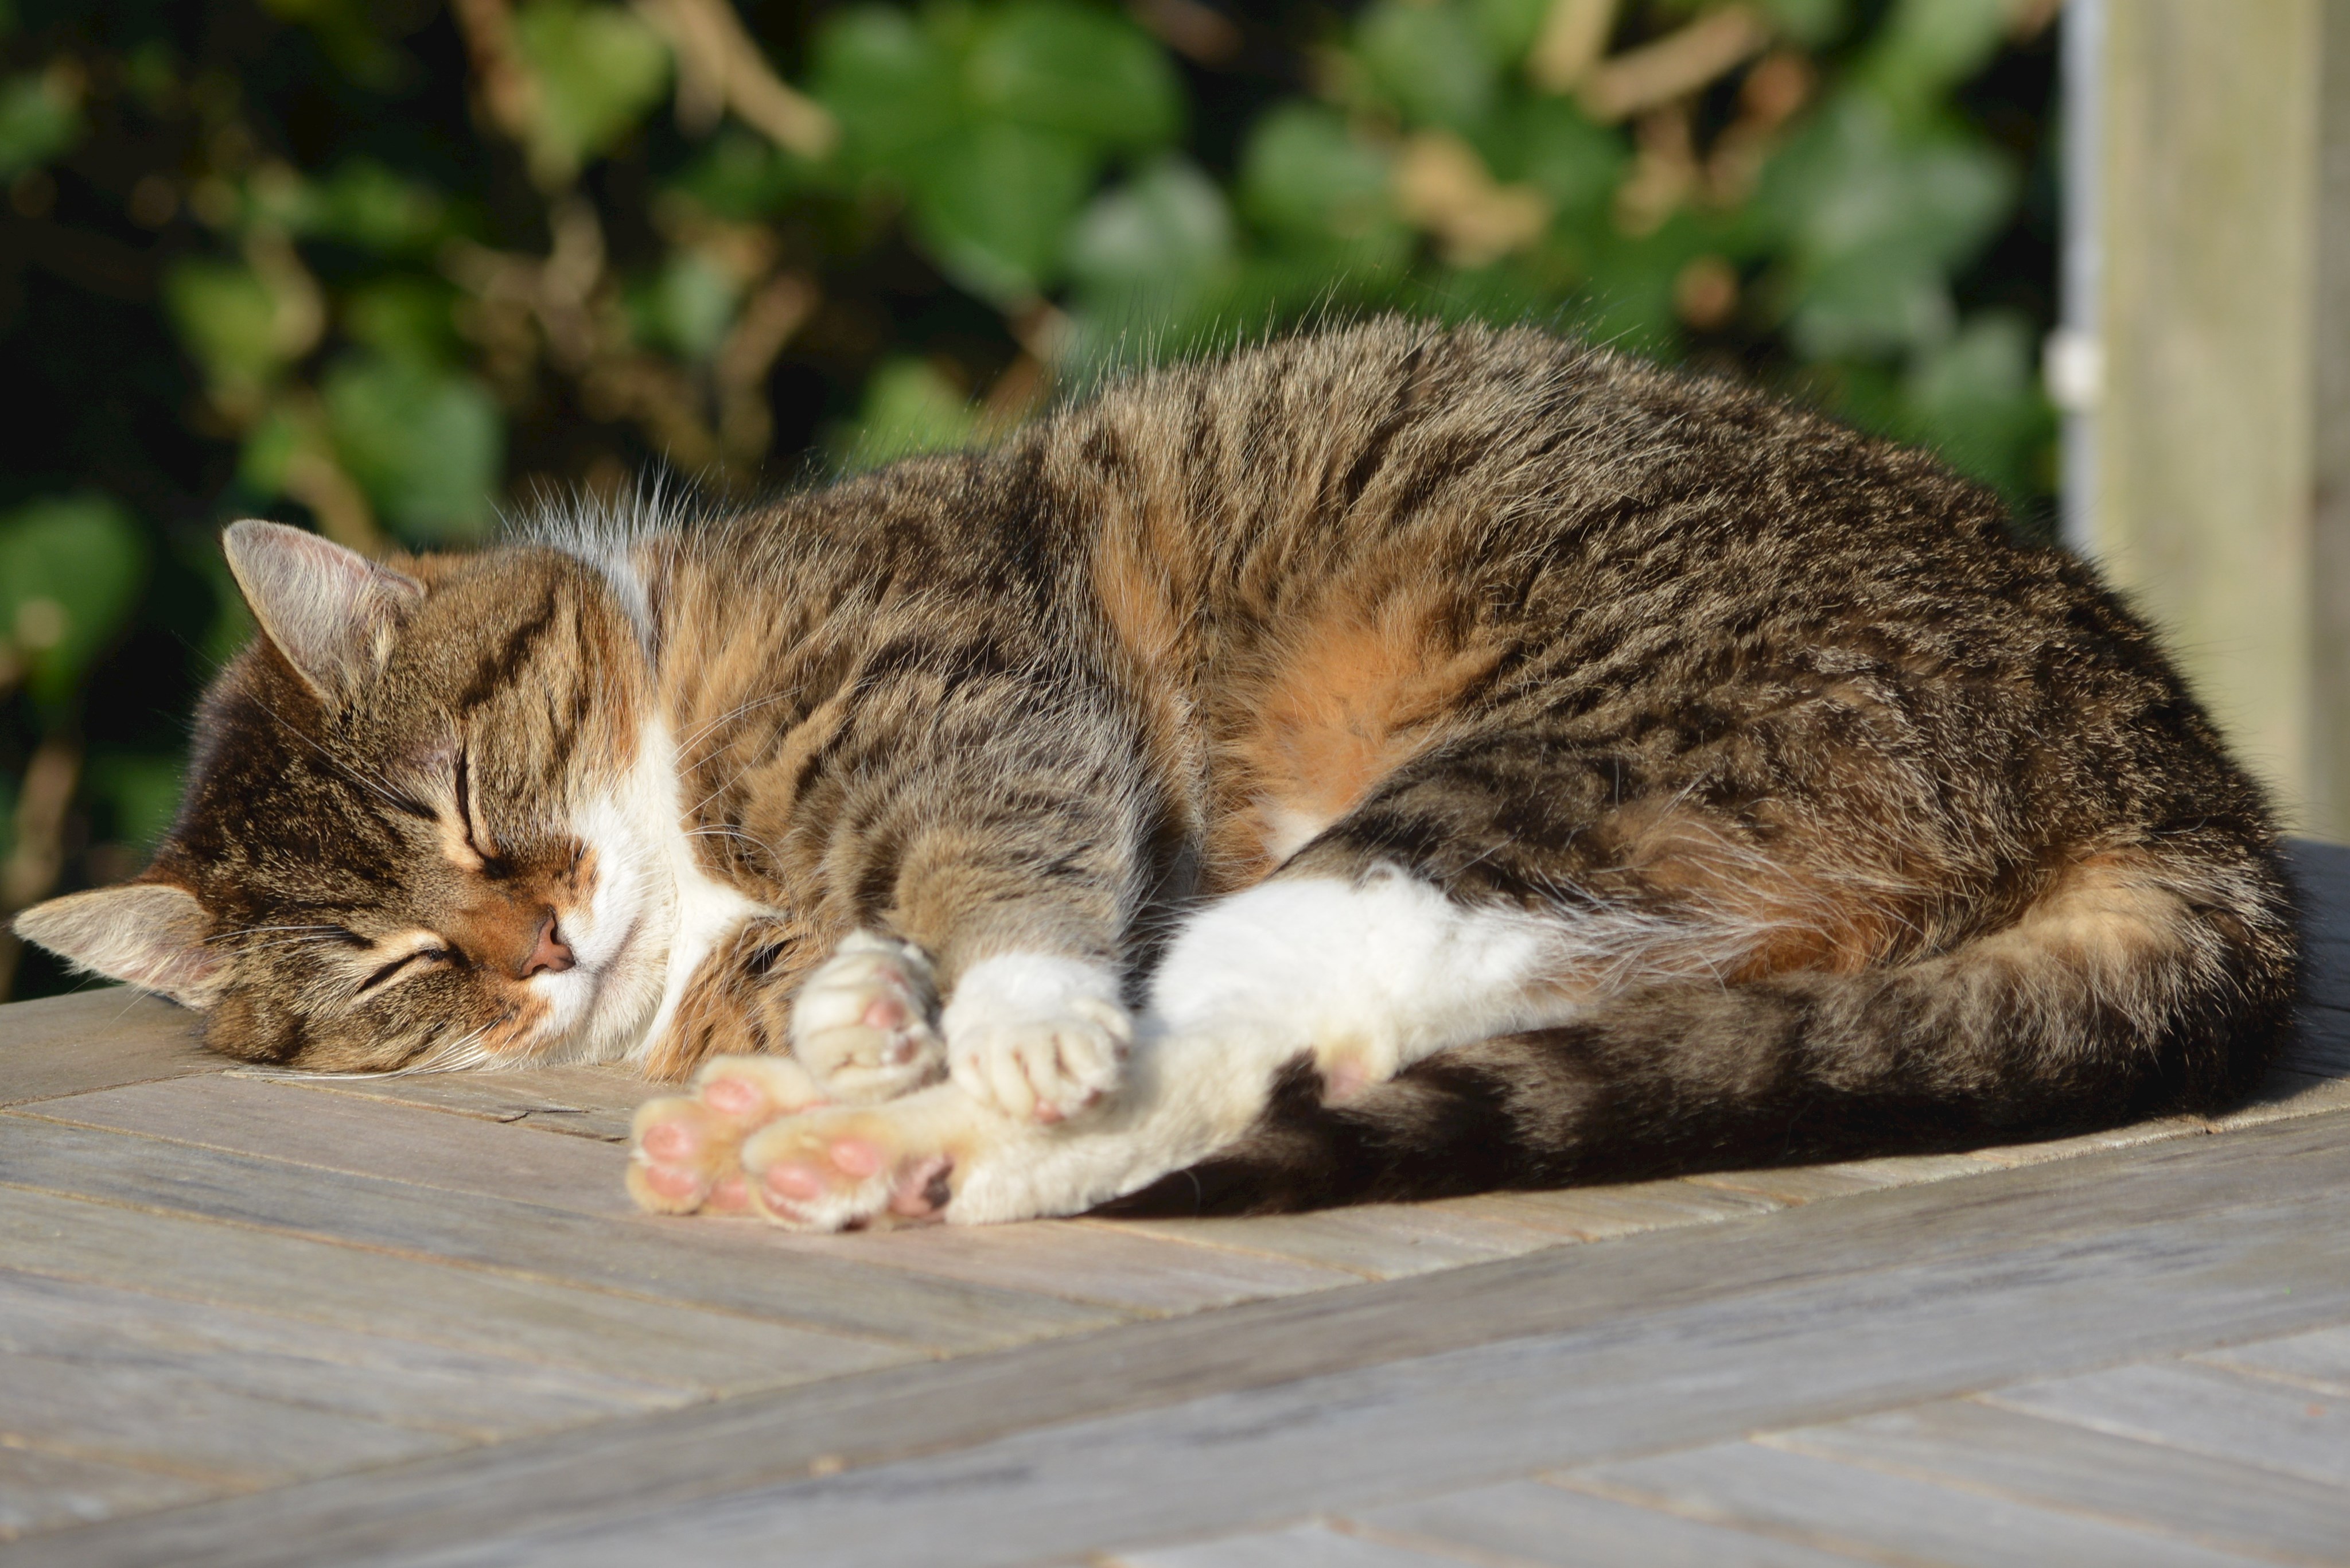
(422,952)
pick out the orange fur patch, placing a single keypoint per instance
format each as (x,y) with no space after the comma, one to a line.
(1352,695)
(1804,914)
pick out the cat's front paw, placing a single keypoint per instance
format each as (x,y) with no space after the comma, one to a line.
(862,1023)
(843,1170)
(686,1154)
(1039,1037)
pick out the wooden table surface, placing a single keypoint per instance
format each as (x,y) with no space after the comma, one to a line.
(250,1319)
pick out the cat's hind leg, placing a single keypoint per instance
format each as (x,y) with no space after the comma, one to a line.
(686,1149)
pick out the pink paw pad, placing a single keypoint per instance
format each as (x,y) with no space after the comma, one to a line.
(922,1188)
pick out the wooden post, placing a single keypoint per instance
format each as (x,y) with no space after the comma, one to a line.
(2221,424)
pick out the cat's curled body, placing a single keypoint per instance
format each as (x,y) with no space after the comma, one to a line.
(1385,762)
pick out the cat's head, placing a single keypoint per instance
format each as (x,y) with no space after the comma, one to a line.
(415,829)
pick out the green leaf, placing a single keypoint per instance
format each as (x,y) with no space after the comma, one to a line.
(426,445)
(268,455)
(1508,28)
(227,318)
(38,121)
(69,576)
(1431,61)
(143,792)
(910,408)
(410,319)
(598,70)
(892,86)
(1870,301)
(1927,46)
(994,207)
(1068,67)
(1977,400)
(1556,147)
(1165,231)
(741,176)
(1304,174)
(1872,219)
(691,304)
(1813,24)
(366,204)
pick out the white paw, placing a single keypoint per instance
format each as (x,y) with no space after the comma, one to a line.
(861,1022)
(1038,1037)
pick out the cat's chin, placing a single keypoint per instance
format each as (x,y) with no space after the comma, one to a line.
(602,1011)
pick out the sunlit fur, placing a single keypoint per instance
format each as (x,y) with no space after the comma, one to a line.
(1784,802)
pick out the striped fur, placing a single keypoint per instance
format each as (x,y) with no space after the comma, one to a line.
(1818,813)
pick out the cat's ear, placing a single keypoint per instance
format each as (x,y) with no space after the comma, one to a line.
(332,611)
(151,934)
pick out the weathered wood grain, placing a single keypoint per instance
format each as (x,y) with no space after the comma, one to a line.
(94,1040)
(463,1394)
(1528,1521)
(1377,1242)
(42,1490)
(185,1258)
(2318,1360)
(731,1266)
(1817,1313)
(1982,1447)
(1666,1377)
(290,1120)
(1807,1183)
(1595,1213)
(431,1148)
(2203,1410)
(1079,1262)
(1875,1514)
(1303,1546)
(143,1416)
(585,1102)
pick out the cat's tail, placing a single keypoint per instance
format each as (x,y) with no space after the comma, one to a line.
(2142,982)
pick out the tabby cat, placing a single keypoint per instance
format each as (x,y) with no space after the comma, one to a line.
(1388,763)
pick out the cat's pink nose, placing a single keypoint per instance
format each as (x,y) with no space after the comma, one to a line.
(548,954)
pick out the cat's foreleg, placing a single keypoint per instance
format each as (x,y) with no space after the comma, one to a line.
(991,872)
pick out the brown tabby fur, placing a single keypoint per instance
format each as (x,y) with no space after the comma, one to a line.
(1932,842)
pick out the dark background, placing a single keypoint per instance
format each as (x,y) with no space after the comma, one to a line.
(392,268)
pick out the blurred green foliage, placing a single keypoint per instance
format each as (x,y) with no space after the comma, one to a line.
(385,266)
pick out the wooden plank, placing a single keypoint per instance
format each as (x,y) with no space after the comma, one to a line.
(140,1416)
(1805,1183)
(184,1259)
(461,1154)
(1079,1262)
(2318,1360)
(2203,1410)
(94,1040)
(1876,1514)
(1528,1521)
(1377,1242)
(289,1121)
(460,1393)
(1303,1546)
(736,1267)
(1982,1447)
(1596,1213)
(1817,1315)
(585,1102)
(41,1490)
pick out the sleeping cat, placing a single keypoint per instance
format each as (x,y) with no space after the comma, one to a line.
(1383,764)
